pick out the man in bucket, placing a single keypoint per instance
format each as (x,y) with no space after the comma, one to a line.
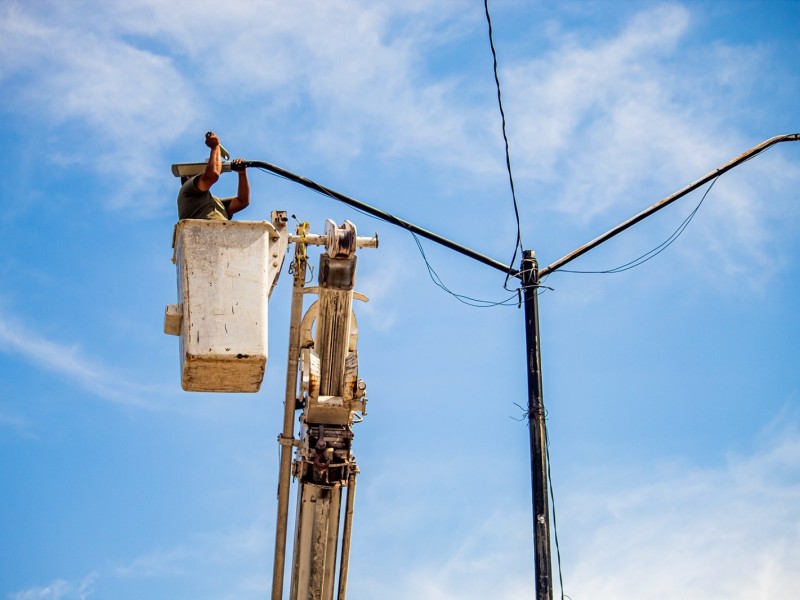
(195,200)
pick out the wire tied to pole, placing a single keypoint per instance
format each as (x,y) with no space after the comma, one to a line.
(300,252)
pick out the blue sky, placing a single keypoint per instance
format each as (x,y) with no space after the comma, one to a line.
(672,389)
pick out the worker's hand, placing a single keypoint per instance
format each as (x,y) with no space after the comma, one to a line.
(212,141)
(238,164)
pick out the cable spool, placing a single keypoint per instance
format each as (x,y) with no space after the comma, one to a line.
(340,242)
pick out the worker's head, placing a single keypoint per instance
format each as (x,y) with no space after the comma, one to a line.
(184,179)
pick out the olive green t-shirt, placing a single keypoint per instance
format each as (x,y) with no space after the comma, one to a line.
(194,204)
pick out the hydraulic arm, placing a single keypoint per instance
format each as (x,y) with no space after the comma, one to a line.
(331,398)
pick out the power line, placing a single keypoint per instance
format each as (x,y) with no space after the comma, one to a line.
(437,280)
(475,302)
(518,246)
(655,251)
(553,505)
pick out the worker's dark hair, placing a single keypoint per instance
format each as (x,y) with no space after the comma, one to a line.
(184,179)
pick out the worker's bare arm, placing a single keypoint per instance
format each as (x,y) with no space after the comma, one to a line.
(242,199)
(214,166)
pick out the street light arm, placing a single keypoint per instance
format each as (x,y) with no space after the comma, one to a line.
(384,216)
(792,137)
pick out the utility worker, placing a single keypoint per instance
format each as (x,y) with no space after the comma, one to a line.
(195,200)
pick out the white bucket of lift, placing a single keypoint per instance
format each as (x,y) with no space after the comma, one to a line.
(226,271)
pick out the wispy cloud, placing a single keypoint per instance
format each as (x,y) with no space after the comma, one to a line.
(69,361)
(597,120)
(82,79)
(20,424)
(228,547)
(590,121)
(233,559)
(653,532)
(138,78)
(607,114)
(226,564)
(381,286)
(60,589)
(729,533)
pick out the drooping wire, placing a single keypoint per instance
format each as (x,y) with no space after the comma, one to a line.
(475,302)
(655,251)
(518,246)
(526,416)
(553,506)
(469,301)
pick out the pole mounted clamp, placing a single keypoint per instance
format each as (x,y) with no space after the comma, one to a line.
(288,441)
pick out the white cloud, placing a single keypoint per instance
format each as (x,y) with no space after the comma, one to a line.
(622,121)
(205,549)
(138,77)
(60,589)
(381,285)
(693,533)
(658,531)
(593,122)
(492,561)
(228,564)
(71,362)
(117,106)
(596,116)
(668,530)
(594,119)
(20,424)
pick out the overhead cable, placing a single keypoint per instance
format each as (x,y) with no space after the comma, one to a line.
(518,245)
(655,251)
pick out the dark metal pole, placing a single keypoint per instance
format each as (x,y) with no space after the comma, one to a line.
(536,426)
(383,215)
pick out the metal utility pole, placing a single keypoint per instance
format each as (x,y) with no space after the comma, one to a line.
(536,428)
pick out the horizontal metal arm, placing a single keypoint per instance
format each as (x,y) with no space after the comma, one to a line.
(319,239)
(389,218)
(792,137)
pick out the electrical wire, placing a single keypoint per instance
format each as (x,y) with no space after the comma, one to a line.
(474,302)
(655,251)
(518,246)
(526,416)
(437,280)
(553,506)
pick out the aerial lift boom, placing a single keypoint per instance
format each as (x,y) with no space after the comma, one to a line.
(226,272)
(332,398)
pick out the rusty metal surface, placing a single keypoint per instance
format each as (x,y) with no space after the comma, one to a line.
(349,511)
(284,476)
(330,394)
(226,272)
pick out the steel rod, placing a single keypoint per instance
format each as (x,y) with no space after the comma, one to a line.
(385,216)
(344,564)
(287,435)
(793,137)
